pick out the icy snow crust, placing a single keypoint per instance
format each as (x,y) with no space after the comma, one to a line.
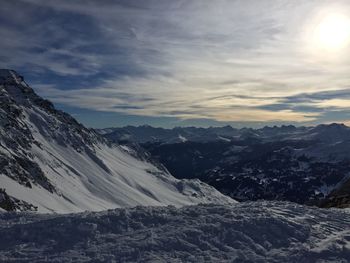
(245,232)
(51,161)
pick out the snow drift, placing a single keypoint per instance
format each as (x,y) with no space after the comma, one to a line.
(245,232)
(51,163)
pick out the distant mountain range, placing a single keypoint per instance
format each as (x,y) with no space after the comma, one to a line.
(302,164)
(147,134)
(51,163)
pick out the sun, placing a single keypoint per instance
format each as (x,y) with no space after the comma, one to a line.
(332,32)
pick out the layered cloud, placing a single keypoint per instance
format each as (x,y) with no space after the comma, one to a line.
(230,61)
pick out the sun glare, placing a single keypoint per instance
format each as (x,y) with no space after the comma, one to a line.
(333,32)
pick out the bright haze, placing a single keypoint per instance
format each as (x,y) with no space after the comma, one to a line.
(178,63)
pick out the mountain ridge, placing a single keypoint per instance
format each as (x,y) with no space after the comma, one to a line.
(52,163)
(147,133)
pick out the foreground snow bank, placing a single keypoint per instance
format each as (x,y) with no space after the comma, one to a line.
(246,232)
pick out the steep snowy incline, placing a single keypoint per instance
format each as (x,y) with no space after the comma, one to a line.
(51,163)
(245,232)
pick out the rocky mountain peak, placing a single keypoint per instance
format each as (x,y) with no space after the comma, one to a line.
(13,86)
(10,76)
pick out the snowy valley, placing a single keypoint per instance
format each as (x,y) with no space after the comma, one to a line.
(307,165)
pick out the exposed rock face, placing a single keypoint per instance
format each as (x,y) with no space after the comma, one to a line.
(13,204)
(340,197)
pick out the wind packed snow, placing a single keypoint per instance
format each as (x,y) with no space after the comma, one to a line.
(245,232)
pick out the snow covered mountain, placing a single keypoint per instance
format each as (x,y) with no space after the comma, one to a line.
(330,133)
(245,232)
(51,163)
(299,164)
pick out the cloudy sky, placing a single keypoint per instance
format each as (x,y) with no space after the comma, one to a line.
(184,62)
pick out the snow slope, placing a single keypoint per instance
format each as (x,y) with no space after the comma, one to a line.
(54,164)
(245,232)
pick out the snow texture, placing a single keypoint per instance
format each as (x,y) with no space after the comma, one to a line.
(245,232)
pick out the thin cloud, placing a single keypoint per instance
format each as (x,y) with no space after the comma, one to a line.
(220,60)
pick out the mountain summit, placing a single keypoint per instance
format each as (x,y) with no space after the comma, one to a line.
(51,163)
